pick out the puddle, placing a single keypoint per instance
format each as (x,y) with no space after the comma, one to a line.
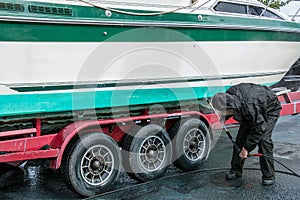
(186,184)
(218,179)
(33,176)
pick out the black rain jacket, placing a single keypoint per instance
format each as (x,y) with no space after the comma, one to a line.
(254,105)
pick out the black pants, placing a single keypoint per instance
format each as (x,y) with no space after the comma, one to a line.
(265,146)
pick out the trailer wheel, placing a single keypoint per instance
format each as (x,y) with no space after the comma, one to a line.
(93,164)
(191,144)
(147,154)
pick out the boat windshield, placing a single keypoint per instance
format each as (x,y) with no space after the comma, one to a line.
(227,7)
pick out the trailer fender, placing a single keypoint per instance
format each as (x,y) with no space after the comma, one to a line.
(64,137)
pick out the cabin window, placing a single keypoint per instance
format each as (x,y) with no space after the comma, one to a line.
(254,10)
(231,8)
(271,15)
(227,7)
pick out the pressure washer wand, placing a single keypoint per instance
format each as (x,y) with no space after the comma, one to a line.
(253,154)
(231,139)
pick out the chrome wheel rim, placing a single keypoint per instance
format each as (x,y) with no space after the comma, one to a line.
(194,144)
(152,153)
(97,165)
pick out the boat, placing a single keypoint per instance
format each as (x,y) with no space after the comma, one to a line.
(291,80)
(73,55)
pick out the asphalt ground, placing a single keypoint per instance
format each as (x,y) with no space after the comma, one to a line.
(35,182)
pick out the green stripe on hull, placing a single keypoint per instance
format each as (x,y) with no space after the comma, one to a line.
(89,24)
(22,104)
(96,14)
(36,32)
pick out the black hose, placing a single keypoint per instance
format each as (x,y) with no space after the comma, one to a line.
(283,165)
(187,173)
(292,173)
(256,154)
(262,155)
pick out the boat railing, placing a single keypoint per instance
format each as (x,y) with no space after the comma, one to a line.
(296,14)
(120,11)
(199,6)
(266,7)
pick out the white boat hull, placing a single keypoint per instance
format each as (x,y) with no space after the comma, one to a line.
(45,63)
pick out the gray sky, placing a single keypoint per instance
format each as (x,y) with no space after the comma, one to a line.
(291,8)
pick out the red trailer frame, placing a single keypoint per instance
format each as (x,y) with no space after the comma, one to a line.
(29,147)
(28,144)
(290,102)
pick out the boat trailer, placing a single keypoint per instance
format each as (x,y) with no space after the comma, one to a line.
(18,146)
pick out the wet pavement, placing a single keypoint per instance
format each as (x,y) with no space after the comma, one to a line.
(35,182)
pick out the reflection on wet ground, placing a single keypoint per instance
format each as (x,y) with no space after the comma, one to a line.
(33,181)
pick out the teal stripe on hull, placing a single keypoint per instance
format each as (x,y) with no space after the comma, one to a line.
(22,104)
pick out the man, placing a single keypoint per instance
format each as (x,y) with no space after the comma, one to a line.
(257,109)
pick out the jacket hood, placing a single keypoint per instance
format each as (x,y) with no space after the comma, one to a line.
(223,101)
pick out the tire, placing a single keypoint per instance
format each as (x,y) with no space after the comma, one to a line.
(147,154)
(64,169)
(92,165)
(191,144)
(125,151)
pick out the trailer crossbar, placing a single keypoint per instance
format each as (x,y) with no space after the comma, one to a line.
(26,144)
(290,103)
(18,132)
(29,155)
